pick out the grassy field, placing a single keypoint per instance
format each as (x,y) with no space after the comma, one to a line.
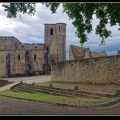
(52,98)
(58,82)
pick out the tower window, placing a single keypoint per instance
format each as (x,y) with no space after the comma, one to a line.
(51,31)
(34,57)
(59,28)
(18,57)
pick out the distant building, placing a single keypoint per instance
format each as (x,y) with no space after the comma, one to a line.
(77,53)
(100,54)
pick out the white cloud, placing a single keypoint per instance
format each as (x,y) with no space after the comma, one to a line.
(31,29)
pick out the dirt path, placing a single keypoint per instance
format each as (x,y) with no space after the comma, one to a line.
(25,79)
(11,106)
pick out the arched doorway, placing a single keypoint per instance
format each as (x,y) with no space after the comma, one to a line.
(27,63)
(8,65)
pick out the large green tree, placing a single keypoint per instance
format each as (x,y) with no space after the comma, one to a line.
(80,13)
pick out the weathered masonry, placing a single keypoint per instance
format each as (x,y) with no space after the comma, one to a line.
(95,70)
(55,39)
(17,59)
(24,59)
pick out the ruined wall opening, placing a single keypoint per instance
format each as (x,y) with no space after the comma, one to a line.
(51,31)
(8,65)
(59,28)
(27,63)
(19,57)
(34,56)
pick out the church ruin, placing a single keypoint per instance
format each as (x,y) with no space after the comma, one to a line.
(24,59)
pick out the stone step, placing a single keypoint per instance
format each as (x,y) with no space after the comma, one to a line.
(67,90)
(47,92)
(55,91)
(77,91)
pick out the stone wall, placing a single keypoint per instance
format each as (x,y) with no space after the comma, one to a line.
(71,55)
(37,65)
(26,46)
(95,70)
(3,63)
(17,66)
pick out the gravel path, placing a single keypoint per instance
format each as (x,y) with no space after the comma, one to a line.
(42,78)
(11,106)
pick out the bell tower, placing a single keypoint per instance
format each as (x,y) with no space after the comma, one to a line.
(55,39)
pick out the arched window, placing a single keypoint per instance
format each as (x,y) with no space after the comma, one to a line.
(51,31)
(34,56)
(59,28)
(27,54)
(19,57)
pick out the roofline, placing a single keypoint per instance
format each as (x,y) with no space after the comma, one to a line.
(33,43)
(99,52)
(78,46)
(54,24)
(10,37)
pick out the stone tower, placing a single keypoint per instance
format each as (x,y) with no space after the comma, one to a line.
(55,39)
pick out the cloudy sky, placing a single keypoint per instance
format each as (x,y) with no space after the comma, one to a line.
(30,29)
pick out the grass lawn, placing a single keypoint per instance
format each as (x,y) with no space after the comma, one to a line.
(59,82)
(53,98)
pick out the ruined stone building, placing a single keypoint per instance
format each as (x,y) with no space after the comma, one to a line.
(24,59)
(78,53)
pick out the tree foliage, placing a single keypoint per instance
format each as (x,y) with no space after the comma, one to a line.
(15,9)
(80,13)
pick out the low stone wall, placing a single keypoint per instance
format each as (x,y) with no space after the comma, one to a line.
(95,70)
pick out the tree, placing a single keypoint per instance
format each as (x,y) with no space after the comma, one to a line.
(80,13)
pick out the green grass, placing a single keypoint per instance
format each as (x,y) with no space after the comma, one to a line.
(65,82)
(52,98)
(43,84)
